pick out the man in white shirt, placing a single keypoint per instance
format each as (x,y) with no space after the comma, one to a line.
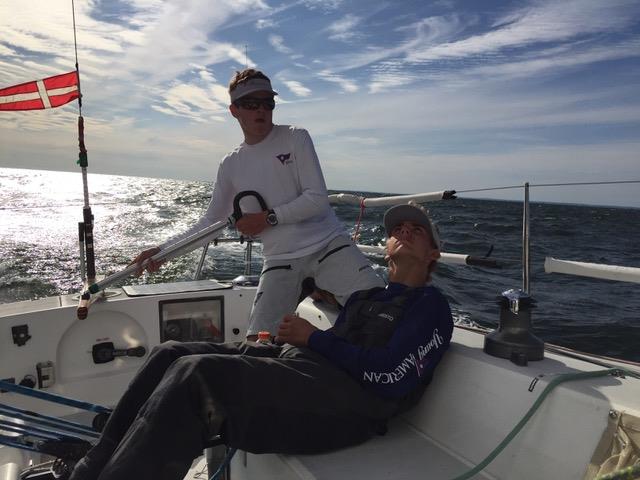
(300,233)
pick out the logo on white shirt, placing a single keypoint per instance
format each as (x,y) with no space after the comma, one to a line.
(285,158)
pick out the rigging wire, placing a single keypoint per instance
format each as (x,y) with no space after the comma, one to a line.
(581,183)
(489,189)
(568,184)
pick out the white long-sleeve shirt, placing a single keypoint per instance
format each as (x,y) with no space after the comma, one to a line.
(285,170)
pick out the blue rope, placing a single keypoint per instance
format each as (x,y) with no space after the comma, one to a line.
(48,421)
(225,463)
(52,397)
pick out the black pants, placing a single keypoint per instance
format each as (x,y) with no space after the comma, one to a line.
(260,398)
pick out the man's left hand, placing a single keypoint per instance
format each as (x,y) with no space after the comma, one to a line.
(252,224)
(295,331)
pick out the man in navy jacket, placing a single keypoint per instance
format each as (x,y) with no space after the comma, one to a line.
(320,391)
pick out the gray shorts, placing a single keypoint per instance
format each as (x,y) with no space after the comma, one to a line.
(339,268)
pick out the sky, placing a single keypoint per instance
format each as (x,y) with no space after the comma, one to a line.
(398,96)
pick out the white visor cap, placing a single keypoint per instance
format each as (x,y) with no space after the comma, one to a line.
(250,86)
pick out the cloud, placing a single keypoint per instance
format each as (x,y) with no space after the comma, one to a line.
(370,141)
(326,5)
(6,51)
(139,60)
(561,58)
(390,74)
(343,29)
(263,23)
(192,102)
(347,85)
(386,81)
(472,93)
(206,75)
(297,88)
(277,42)
(543,22)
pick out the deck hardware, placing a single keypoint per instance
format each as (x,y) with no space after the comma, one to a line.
(519,358)
(105,352)
(236,331)
(526,258)
(28,381)
(20,334)
(534,382)
(46,374)
(513,339)
(246,281)
(618,374)
(203,256)
(613,414)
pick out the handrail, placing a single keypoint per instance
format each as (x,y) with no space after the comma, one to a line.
(186,245)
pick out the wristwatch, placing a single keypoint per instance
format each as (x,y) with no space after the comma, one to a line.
(271,218)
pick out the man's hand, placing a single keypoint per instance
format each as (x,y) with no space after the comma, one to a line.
(294,330)
(252,224)
(151,266)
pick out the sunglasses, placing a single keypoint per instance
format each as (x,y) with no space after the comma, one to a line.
(251,103)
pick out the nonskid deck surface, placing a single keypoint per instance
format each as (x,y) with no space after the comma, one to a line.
(176,287)
(403,453)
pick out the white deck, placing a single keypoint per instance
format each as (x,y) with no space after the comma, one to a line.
(404,453)
(472,404)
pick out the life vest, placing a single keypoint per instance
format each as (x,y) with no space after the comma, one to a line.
(371,323)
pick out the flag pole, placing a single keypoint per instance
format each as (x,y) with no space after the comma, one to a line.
(87,216)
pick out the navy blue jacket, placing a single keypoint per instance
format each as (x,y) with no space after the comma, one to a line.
(408,359)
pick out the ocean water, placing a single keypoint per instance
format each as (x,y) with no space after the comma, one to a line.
(39,212)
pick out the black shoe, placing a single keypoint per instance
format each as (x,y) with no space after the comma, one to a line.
(68,449)
(53,470)
(91,465)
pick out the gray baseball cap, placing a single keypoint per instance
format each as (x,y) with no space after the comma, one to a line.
(250,86)
(410,213)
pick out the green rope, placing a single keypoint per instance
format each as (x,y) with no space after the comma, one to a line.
(565,377)
(629,473)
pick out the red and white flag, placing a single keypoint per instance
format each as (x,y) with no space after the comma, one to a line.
(47,93)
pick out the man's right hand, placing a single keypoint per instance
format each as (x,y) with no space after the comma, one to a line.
(152,266)
(295,330)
